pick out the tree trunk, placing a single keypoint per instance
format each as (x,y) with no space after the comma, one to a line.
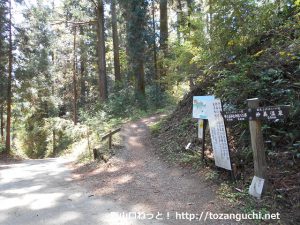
(135,15)
(75,95)
(2,121)
(209,19)
(82,80)
(54,142)
(9,83)
(139,74)
(190,10)
(115,37)
(101,51)
(154,43)
(163,7)
(83,59)
(164,26)
(179,19)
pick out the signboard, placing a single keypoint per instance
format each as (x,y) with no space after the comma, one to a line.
(256,187)
(218,134)
(270,113)
(238,115)
(262,113)
(207,107)
(200,106)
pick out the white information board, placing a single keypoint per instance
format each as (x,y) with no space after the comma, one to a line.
(256,187)
(200,106)
(218,134)
(207,107)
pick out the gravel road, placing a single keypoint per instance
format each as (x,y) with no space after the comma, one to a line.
(135,187)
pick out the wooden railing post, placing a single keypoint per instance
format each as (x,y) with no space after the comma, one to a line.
(109,136)
(259,156)
(109,140)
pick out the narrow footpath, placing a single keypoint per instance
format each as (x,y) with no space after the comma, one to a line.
(144,184)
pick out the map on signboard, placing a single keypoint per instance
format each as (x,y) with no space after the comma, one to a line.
(256,187)
(200,106)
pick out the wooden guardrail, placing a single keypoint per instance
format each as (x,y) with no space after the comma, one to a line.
(109,136)
(101,155)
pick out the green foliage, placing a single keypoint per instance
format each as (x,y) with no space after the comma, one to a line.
(270,75)
(155,128)
(34,137)
(211,175)
(42,137)
(121,106)
(227,191)
(61,134)
(2,147)
(187,59)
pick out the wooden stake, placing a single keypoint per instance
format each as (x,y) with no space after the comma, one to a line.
(109,141)
(259,156)
(203,140)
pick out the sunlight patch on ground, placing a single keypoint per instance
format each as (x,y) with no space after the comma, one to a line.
(133,142)
(24,190)
(3,217)
(66,217)
(44,201)
(75,196)
(32,201)
(79,148)
(123,179)
(105,191)
(113,169)
(9,203)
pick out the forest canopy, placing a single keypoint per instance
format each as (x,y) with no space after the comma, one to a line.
(69,66)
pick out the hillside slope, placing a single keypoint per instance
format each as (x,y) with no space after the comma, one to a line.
(270,71)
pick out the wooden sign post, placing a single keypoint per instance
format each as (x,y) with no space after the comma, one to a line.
(203,140)
(255,114)
(259,155)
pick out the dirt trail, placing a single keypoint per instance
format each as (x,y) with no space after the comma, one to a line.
(141,182)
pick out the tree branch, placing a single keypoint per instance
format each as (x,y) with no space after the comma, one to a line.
(57,22)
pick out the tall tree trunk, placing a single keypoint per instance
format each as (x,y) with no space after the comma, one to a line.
(115,37)
(209,19)
(82,80)
(135,15)
(164,26)
(9,83)
(179,19)
(190,10)
(101,51)
(75,95)
(2,121)
(154,42)
(83,59)
(139,74)
(163,7)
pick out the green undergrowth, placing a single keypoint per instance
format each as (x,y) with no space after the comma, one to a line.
(246,203)
(120,108)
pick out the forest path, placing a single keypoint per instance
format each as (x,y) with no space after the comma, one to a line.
(138,180)
(50,192)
